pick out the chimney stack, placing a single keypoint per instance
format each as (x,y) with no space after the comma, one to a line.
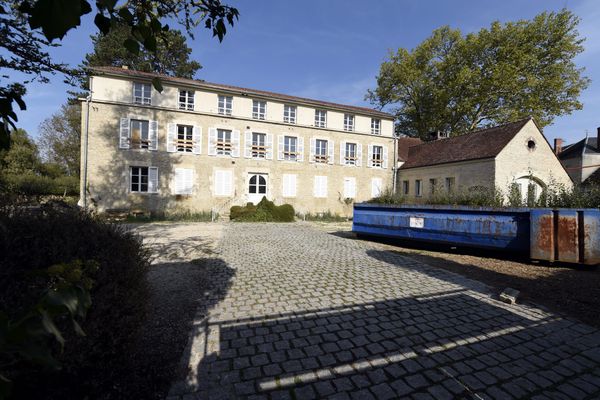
(558,142)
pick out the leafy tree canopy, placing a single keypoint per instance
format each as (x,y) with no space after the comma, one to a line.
(456,83)
(29,27)
(22,157)
(59,139)
(172,55)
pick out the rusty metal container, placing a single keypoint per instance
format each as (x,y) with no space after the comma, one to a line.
(569,235)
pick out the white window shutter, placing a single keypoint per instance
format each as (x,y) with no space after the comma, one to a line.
(227,183)
(289,185)
(376,187)
(188,183)
(370,156)
(313,144)
(269,145)
(385,157)
(317,185)
(331,150)
(212,142)
(153,179)
(280,147)
(324,186)
(153,135)
(300,149)
(342,153)
(124,133)
(171,137)
(248,144)
(349,188)
(358,154)
(197,139)
(235,142)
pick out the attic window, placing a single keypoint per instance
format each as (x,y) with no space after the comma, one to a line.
(531,145)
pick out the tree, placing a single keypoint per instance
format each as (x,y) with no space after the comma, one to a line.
(28,27)
(60,138)
(22,157)
(455,83)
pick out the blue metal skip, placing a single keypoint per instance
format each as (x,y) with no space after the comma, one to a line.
(553,235)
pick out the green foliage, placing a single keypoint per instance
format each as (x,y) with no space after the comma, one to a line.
(183,216)
(60,139)
(28,338)
(326,216)
(23,156)
(264,211)
(455,83)
(37,185)
(33,239)
(387,196)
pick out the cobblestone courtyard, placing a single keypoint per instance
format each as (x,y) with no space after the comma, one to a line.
(299,313)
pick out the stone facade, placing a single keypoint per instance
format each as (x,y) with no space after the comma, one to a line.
(520,161)
(109,173)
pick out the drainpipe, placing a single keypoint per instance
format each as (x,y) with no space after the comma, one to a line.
(395,167)
(88,100)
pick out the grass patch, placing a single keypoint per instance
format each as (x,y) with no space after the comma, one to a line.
(186,216)
(326,216)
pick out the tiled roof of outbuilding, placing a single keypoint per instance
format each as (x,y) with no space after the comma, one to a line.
(480,144)
(244,91)
(403,144)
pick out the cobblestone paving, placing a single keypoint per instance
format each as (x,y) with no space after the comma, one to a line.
(304,314)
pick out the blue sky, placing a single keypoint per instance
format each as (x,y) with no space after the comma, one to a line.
(332,49)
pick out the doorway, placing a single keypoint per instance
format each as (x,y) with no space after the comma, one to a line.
(257,187)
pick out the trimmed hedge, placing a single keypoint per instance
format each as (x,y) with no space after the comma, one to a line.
(37,185)
(264,211)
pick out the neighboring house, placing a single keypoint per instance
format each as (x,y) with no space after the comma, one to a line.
(202,146)
(581,159)
(514,153)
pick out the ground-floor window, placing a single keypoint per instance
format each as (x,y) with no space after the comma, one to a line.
(257,185)
(223,185)
(450,183)
(405,187)
(289,185)
(183,181)
(376,187)
(349,188)
(143,179)
(418,188)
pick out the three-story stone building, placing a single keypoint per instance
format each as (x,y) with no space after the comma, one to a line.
(200,146)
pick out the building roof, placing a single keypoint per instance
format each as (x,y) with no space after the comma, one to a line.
(119,71)
(577,149)
(479,144)
(403,144)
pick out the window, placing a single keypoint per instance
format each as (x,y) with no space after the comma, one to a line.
(375,126)
(185,138)
(140,134)
(320,118)
(143,179)
(418,188)
(348,122)
(259,149)
(259,109)
(290,148)
(450,182)
(432,185)
(223,145)
(376,186)
(321,151)
(289,114)
(223,183)
(350,155)
(349,188)
(257,184)
(225,104)
(405,187)
(289,185)
(183,181)
(320,188)
(142,93)
(186,100)
(377,156)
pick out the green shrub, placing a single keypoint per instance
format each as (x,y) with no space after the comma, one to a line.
(34,239)
(37,185)
(326,216)
(387,196)
(264,211)
(183,216)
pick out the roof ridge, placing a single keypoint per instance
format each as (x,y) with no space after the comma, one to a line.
(477,131)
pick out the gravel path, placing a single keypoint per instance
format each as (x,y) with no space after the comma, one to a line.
(296,312)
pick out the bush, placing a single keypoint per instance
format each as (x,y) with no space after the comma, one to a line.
(264,211)
(183,216)
(37,185)
(31,241)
